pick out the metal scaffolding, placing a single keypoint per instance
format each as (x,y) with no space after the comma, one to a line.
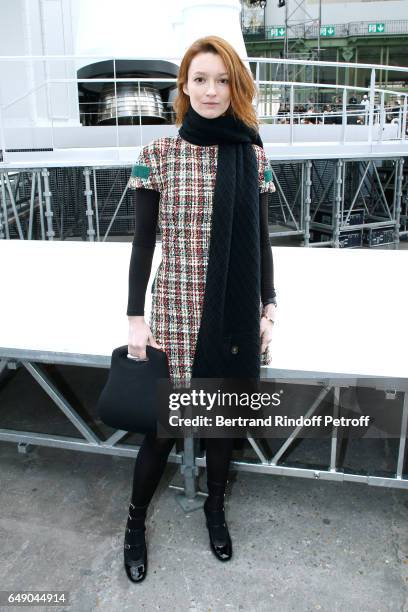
(333,202)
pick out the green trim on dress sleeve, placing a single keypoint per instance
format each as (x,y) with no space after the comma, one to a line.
(141,171)
(267,176)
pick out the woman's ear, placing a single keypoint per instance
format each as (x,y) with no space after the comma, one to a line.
(185,90)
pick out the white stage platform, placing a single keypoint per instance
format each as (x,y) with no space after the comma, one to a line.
(341,311)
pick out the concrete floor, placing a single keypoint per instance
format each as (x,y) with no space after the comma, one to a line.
(299,545)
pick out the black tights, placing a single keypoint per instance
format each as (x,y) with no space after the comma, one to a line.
(152,459)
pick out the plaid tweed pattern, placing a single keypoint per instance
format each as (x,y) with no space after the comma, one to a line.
(184,174)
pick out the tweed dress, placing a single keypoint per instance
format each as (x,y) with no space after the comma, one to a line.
(184,174)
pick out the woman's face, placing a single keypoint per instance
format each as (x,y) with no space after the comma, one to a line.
(208,85)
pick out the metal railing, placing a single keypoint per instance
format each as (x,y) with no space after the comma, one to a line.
(336,30)
(370,115)
(382,103)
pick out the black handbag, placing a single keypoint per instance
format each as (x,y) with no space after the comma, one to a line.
(130,398)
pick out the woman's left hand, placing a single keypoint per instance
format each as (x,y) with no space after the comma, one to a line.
(266,327)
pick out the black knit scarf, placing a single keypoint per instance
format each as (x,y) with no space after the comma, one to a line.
(228,343)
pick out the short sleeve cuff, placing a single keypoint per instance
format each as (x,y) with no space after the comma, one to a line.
(140,177)
(267,185)
(146,172)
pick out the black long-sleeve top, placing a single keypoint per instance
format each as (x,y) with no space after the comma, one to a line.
(144,241)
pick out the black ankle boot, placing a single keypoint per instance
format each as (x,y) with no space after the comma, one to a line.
(135,550)
(220,539)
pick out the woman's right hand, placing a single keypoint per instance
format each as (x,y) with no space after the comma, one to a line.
(139,336)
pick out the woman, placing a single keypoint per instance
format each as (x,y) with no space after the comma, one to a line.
(203,186)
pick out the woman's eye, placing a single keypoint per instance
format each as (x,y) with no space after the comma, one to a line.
(223,81)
